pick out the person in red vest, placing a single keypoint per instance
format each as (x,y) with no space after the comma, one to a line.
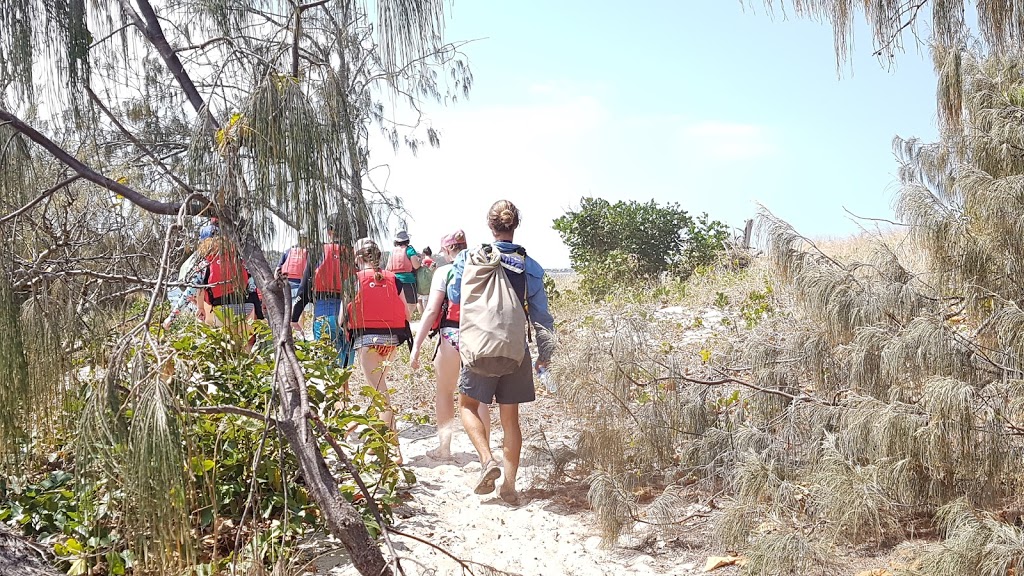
(441,317)
(293,266)
(293,263)
(377,320)
(228,282)
(403,262)
(326,286)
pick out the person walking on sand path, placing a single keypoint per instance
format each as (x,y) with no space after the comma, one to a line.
(192,272)
(403,263)
(424,279)
(293,264)
(441,317)
(377,322)
(323,283)
(526,278)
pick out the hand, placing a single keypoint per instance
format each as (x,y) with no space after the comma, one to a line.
(541,365)
(414,358)
(167,323)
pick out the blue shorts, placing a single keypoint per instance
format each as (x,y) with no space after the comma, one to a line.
(325,324)
(295,288)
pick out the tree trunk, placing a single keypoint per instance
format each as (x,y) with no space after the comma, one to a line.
(342,519)
(748,229)
(19,558)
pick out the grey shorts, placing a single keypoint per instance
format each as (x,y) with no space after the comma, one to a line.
(514,388)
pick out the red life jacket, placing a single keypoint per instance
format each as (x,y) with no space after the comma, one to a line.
(449,316)
(295,264)
(453,313)
(227,274)
(378,303)
(399,261)
(330,275)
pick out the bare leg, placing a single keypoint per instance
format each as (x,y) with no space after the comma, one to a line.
(485,416)
(474,426)
(410,309)
(511,449)
(447,366)
(375,370)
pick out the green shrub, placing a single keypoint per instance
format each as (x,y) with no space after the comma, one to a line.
(630,244)
(81,511)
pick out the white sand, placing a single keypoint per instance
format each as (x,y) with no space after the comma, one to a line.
(548,533)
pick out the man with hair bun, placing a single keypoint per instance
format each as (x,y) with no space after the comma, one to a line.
(527,279)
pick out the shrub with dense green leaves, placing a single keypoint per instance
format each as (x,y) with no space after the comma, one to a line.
(234,473)
(628,243)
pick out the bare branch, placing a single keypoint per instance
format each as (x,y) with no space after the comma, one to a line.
(146,203)
(42,196)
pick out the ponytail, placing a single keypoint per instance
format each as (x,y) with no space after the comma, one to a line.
(368,252)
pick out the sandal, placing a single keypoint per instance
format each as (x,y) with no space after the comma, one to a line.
(488,476)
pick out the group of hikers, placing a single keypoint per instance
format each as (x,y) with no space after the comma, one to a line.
(483,304)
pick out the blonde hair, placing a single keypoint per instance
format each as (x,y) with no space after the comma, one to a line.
(503,216)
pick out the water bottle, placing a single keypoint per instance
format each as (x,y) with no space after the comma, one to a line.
(547,380)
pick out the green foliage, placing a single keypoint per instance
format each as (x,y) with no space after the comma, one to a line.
(74,517)
(237,471)
(757,305)
(629,243)
(551,288)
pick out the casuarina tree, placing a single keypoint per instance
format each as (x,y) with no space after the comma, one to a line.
(118,122)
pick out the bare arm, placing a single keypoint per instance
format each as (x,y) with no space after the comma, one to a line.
(430,313)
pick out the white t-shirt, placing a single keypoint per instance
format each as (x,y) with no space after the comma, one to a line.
(440,281)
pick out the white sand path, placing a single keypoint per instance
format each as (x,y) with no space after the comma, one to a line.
(548,533)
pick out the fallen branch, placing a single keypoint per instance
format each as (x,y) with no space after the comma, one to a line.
(460,561)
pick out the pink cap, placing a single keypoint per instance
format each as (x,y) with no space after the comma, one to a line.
(457,237)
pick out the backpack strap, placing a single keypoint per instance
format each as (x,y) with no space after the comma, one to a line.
(526,301)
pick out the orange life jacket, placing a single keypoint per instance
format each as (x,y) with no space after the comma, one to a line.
(295,264)
(378,303)
(227,274)
(399,261)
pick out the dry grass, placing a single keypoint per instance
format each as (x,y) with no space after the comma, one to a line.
(845,413)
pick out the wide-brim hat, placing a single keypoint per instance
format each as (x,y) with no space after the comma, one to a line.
(402,236)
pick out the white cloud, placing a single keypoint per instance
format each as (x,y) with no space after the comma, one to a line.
(715,140)
(534,155)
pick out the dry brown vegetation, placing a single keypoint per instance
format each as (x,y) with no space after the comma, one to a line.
(861,406)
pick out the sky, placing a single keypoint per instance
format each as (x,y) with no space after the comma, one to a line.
(705,103)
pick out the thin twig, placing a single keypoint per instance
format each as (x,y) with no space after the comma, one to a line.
(42,196)
(235,410)
(461,562)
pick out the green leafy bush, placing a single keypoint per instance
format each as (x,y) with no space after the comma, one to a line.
(630,243)
(238,474)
